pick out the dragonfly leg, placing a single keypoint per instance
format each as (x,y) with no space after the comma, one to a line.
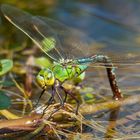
(60,98)
(54,91)
(51,99)
(65,98)
(111,75)
(40,97)
(70,93)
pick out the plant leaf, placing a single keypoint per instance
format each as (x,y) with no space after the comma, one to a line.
(5,66)
(5,101)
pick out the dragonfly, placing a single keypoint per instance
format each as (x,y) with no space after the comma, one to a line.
(71,56)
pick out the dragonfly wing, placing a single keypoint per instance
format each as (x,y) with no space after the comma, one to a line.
(41,33)
(59,41)
(74,41)
(113,39)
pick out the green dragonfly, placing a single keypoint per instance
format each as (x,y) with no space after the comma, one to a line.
(70,57)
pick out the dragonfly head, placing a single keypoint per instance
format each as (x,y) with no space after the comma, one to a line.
(45,78)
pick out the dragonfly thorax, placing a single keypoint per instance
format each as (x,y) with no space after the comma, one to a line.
(68,71)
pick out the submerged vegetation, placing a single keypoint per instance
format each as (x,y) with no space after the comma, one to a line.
(27,112)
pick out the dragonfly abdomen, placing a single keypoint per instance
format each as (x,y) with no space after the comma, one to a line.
(84,60)
(94,59)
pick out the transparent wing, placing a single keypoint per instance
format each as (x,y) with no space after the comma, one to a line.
(76,44)
(41,33)
(116,41)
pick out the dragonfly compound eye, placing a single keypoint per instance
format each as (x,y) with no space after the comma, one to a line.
(47,76)
(40,80)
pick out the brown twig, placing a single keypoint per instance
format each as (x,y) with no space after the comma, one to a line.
(111,104)
(30,122)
